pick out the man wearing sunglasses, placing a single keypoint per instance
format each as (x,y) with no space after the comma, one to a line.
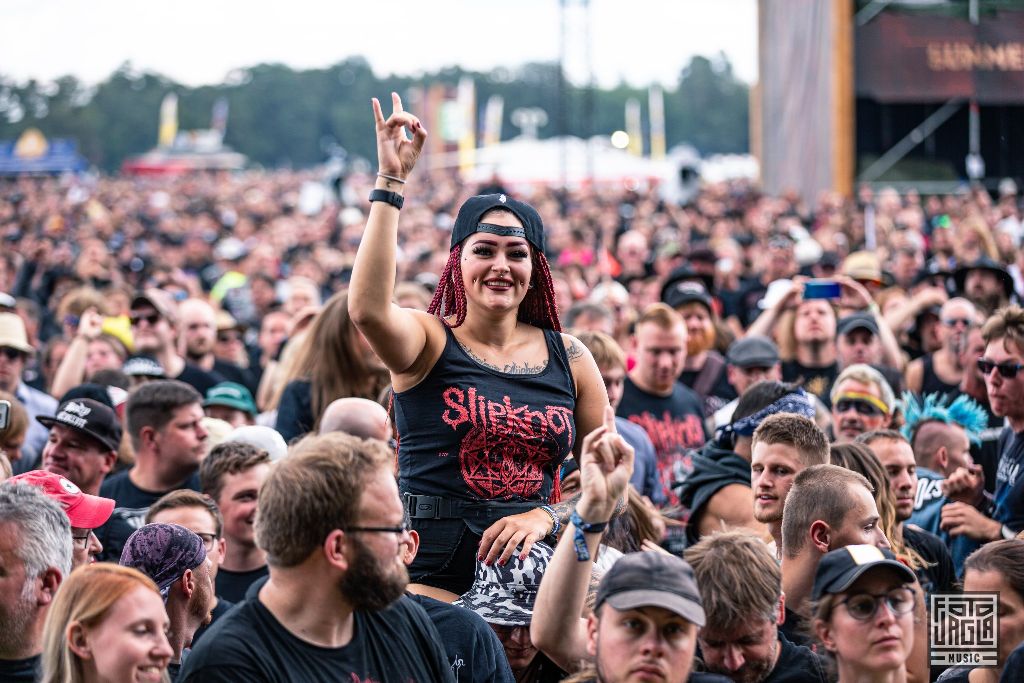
(942,371)
(1001,516)
(14,353)
(862,401)
(154,321)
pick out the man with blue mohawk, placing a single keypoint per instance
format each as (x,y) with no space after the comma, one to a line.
(941,432)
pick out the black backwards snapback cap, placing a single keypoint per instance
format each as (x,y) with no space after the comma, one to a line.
(468,220)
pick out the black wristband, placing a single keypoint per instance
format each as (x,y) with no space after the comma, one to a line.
(393,198)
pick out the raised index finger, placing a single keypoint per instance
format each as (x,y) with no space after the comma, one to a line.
(396,103)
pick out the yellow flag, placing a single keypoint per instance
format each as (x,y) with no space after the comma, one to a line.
(168,120)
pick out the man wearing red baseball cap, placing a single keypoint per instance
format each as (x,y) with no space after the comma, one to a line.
(85,511)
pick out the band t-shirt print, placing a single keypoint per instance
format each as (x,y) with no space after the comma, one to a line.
(472,432)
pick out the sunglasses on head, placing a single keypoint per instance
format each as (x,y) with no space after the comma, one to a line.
(151,318)
(10,353)
(862,407)
(1008,370)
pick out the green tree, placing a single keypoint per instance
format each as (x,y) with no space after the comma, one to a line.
(283,117)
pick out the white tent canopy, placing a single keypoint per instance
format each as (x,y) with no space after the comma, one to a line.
(571,160)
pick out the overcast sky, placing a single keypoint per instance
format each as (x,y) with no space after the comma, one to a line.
(198,42)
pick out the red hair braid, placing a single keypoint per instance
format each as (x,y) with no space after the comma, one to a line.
(450,296)
(539,307)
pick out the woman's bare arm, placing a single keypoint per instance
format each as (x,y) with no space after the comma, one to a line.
(398,336)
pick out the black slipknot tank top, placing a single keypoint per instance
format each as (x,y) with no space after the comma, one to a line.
(473,433)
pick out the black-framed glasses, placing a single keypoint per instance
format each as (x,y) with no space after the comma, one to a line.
(862,407)
(1007,370)
(400,529)
(208,539)
(81,542)
(151,318)
(953,322)
(225,337)
(864,606)
(10,353)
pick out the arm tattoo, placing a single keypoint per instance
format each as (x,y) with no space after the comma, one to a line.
(512,368)
(574,351)
(564,508)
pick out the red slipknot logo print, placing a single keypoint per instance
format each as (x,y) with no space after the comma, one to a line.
(504,453)
(672,439)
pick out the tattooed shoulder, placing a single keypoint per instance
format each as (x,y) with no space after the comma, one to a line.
(575,349)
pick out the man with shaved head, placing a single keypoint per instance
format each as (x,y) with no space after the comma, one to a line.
(197,338)
(358,417)
(942,371)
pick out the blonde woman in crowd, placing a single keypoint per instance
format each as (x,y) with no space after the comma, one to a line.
(107,623)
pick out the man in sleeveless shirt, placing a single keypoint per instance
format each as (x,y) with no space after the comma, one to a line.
(941,371)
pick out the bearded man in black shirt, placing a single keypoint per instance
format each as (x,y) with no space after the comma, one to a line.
(331,522)
(741,587)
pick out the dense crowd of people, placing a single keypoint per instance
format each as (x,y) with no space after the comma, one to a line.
(484,433)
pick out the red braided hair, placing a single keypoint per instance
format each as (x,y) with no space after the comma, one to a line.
(538,308)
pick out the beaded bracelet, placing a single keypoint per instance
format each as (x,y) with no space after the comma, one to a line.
(578,541)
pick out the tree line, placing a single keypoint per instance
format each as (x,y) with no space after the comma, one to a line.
(281,117)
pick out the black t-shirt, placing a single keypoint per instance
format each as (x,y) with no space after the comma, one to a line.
(127,495)
(1009,495)
(132,504)
(986,453)
(750,293)
(249,644)
(233,585)
(220,609)
(797,664)
(940,574)
(232,372)
(542,670)
(18,670)
(474,652)
(721,391)
(295,410)
(817,381)
(796,629)
(675,424)
(201,380)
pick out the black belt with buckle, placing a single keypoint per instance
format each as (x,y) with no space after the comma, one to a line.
(435,507)
(430,507)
